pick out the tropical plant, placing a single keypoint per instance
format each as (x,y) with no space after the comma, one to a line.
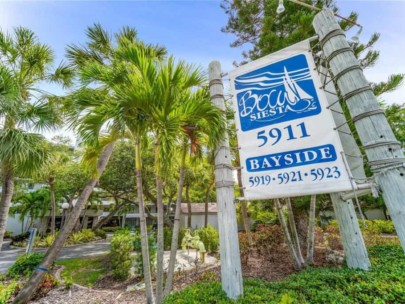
(204,127)
(34,205)
(93,113)
(24,265)
(210,237)
(384,283)
(25,63)
(152,254)
(122,245)
(61,154)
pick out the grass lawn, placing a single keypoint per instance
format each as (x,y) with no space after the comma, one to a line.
(384,283)
(83,271)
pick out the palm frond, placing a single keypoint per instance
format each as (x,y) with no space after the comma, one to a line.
(26,151)
(99,39)
(63,75)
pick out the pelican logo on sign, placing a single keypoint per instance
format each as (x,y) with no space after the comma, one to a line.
(275,93)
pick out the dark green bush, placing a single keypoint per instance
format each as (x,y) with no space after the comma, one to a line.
(8,234)
(382,226)
(168,233)
(384,283)
(122,245)
(100,233)
(266,218)
(374,226)
(24,265)
(111,229)
(152,253)
(20,237)
(210,237)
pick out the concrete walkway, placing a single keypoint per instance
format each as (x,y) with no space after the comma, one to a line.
(184,261)
(8,256)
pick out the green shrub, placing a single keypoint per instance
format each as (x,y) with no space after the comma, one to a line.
(6,291)
(111,229)
(381,226)
(384,283)
(24,265)
(84,236)
(75,238)
(168,234)
(122,245)
(48,240)
(265,217)
(138,257)
(20,237)
(88,235)
(8,234)
(182,233)
(100,233)
(210,237)
(372,226)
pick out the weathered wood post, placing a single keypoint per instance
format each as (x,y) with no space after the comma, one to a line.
(383,151)
(231,270)
(352,239)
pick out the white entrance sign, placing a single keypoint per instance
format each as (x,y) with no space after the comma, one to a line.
(287,137)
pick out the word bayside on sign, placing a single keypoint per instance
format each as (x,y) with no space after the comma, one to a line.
(289,145)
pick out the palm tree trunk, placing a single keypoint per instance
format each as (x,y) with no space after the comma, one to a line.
(176,226)
(311,231)
(81,224)
(188,205)
(160,232)
(243,204)
(290,245)
(6,195)
(53,204)
(293,229)
(142,223)
(36,278)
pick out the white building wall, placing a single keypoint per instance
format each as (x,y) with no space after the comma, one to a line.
(197,220)
(15,225)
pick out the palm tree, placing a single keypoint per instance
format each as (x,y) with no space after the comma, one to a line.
(203,124)
(99,117)
(170,103)
(35,205)
(24,108)
(48,175)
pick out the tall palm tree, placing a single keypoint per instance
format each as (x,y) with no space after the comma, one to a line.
(24,108)
(99,117)
(202,124)
(165,93)
(48,175)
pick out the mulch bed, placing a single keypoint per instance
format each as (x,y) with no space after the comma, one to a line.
(277,266)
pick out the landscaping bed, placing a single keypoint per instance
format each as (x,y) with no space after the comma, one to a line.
(384,283)
(80,237)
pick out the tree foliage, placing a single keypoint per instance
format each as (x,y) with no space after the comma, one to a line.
(262,31)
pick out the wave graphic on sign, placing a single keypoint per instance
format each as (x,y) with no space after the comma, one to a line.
(272,91)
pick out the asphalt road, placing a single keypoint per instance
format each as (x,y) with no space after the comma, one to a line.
(8,256)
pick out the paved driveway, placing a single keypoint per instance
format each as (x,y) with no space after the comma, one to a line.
(8,256)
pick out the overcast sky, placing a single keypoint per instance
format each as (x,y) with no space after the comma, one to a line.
(191,30)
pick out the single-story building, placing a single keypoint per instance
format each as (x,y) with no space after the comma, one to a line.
(198,215)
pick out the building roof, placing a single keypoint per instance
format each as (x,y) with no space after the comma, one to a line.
(199,208)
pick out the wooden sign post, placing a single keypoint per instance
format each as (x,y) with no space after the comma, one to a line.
(231,269)
(384,152)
